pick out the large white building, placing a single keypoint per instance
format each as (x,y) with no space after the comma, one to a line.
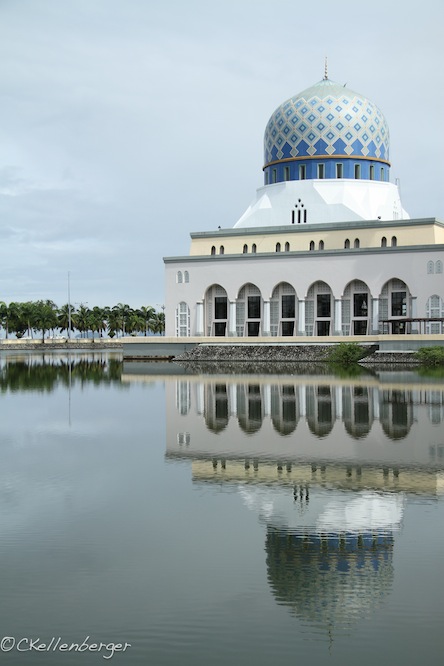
(325,248)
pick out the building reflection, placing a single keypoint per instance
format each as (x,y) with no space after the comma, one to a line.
(340,414)
(326,465)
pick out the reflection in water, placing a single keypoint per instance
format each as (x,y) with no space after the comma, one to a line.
(329,582)
(329,553)
(44,372)
(322,405)
(323,469)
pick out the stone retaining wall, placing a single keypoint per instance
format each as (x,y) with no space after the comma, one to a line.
(283,354)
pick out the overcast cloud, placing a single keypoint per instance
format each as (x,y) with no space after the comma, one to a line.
(126,124)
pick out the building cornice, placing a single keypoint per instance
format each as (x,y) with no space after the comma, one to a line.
(315,228)
(312,254)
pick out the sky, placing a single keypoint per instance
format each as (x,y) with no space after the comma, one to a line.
(127,124)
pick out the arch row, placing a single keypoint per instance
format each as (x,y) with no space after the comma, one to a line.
(318,312)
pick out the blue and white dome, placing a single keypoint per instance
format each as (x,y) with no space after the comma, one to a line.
(321,125)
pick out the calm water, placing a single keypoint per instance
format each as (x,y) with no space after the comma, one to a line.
(218,518)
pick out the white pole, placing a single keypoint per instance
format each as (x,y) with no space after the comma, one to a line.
(69,310)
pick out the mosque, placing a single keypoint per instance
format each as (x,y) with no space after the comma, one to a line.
(325,248)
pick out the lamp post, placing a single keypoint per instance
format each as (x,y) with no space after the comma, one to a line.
(69,308)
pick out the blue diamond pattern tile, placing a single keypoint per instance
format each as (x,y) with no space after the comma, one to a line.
(314,112)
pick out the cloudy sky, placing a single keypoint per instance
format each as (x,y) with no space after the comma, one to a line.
(126,124)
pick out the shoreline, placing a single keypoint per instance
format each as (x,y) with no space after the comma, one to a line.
(60,345)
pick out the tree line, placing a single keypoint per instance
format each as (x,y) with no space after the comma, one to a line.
(39,318)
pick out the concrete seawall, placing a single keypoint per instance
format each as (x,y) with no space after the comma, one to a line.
(376,349)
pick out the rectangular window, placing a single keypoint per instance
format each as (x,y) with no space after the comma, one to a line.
(357,171)
(339,171)
(254,307)
(220,307)
(266,178)
(288,307)
(382,174)
(399,304)
(372,172)
(324,305)
(302,172)
(321,171)
(220,328)
(287,328)
(274,175)
(286,173)
(360,305)
(253,328)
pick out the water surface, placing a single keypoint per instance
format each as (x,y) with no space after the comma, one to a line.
(216,519)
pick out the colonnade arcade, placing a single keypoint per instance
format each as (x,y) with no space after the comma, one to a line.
(286,313)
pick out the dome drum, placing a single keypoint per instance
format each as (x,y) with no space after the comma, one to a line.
(340,167)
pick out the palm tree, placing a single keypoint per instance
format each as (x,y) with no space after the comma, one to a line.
(122,311)
(158,325)
(82,319)
(28,312)
(135,322)
(147,312)
(65,318)
(97,320)
(45,317)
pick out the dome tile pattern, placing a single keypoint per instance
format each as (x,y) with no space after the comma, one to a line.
(326,120)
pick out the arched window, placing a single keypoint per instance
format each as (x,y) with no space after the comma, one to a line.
(213,250)
(221,249)
(278,247)
(383,241)
(357,243)
(394,241)
(438,266)
(253,248)
(346,244)
(245,250)
(179,277)
(186,277)
(182,320)
(430,267)
(321,245)
(287,247)
(434,310)
(312,245)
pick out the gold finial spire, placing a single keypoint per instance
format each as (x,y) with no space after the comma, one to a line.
(325,70)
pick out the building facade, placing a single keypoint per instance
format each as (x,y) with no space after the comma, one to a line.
(325,248)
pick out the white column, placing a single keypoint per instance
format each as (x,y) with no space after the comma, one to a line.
(266,328)
(375,316)
(199,318)
(232,395)
(267,399)
(232,319)
(337,326)
(375,396)
(301,317)
(302,399)
(200,398)
(338,400)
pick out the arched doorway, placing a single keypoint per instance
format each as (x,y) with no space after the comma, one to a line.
(319,309)
(395,306)
(283,310)
(356,309)
(249,311)
(216,311)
